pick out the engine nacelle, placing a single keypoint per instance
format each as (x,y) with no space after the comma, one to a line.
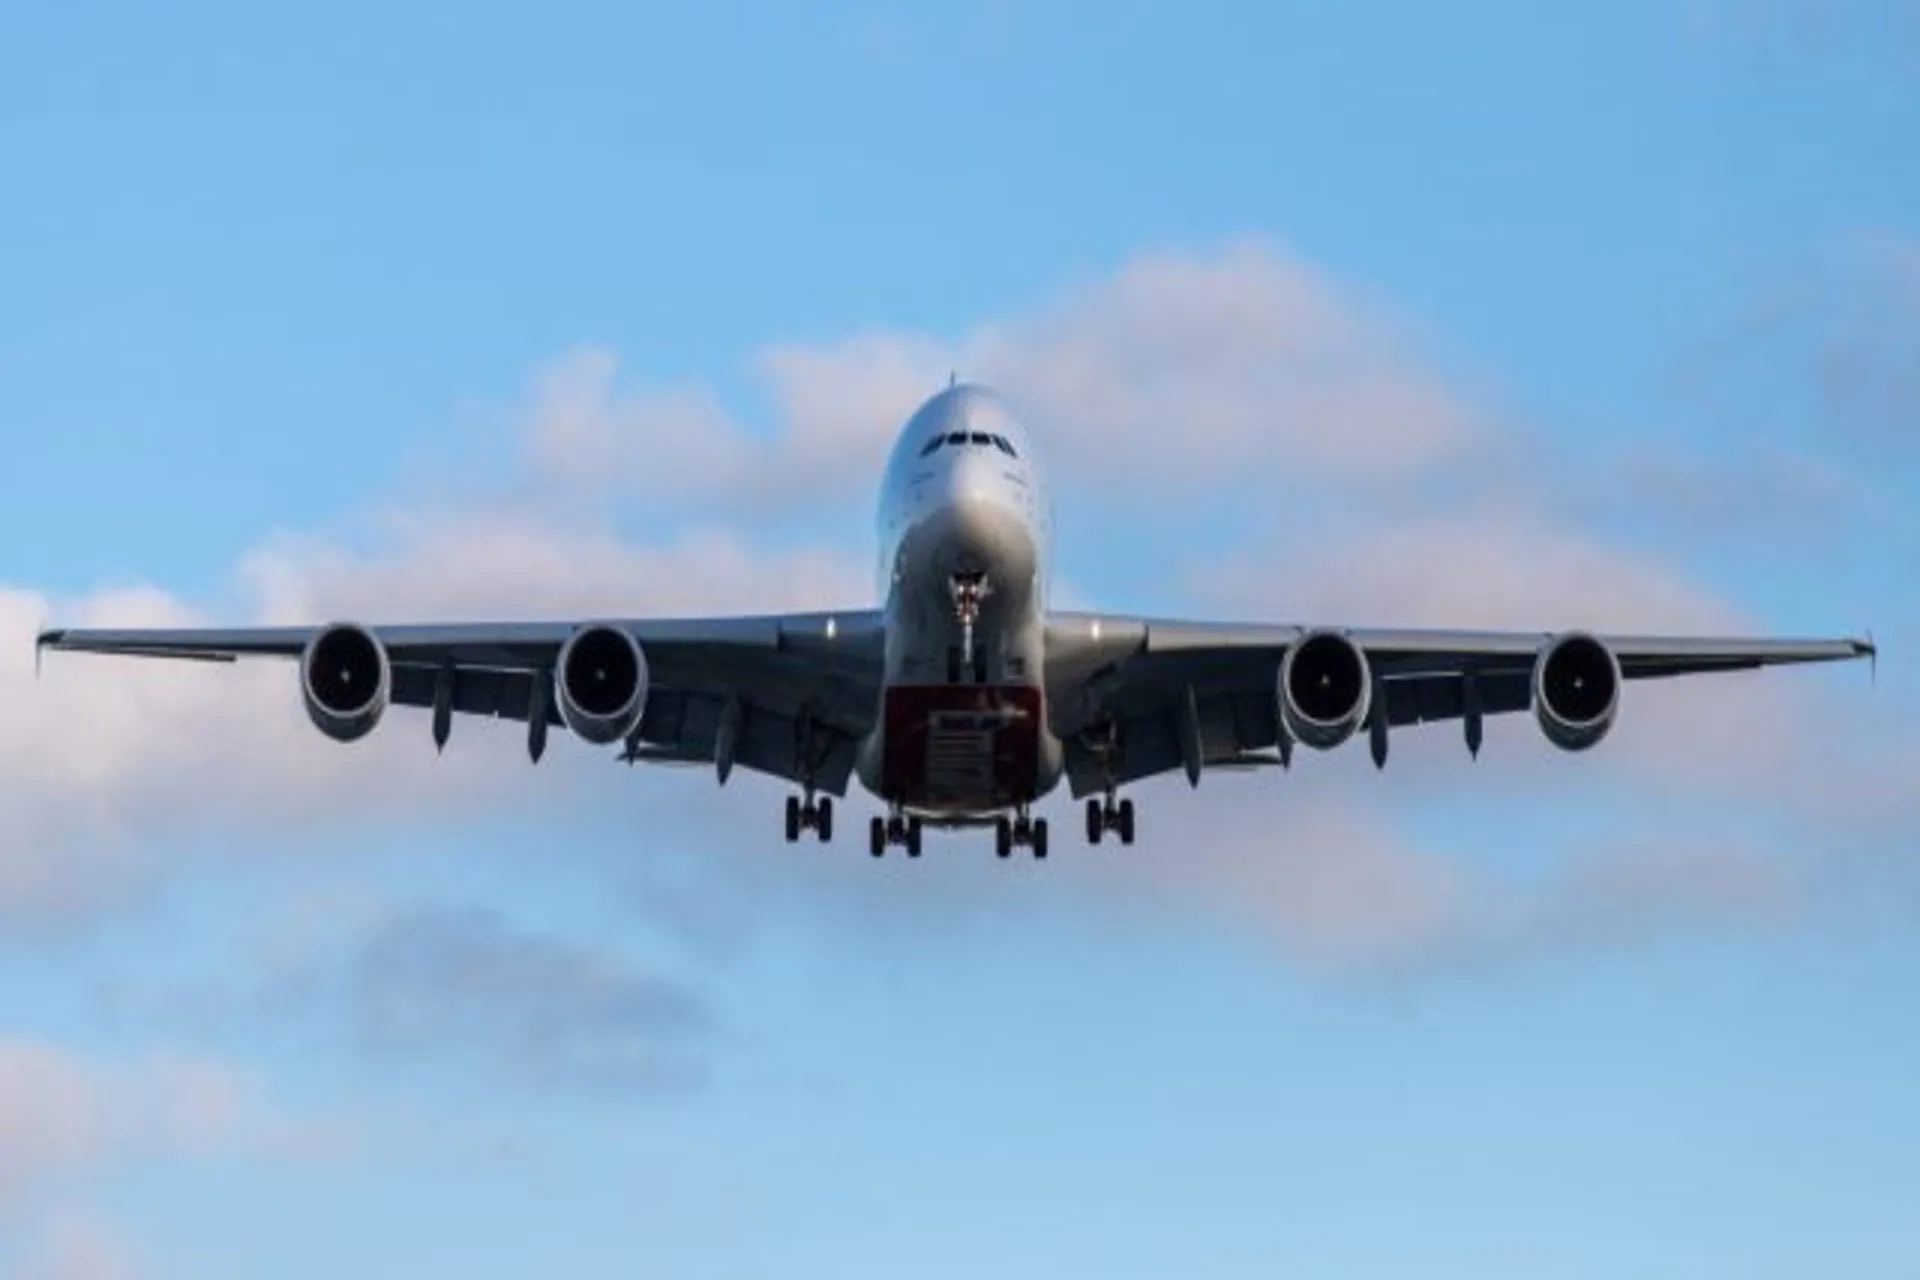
(600,683)
(1576,690)
(1326,689)
(345,680)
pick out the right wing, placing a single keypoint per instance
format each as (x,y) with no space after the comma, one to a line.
(788,695)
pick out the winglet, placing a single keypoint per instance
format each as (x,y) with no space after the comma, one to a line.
(40,646)
(1872,651)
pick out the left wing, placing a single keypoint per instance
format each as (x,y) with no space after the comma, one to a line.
(1136,697)
(788,695)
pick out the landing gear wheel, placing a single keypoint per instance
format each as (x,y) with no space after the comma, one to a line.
(1106,816)
(1038,838)
(1003,837)
(808,814)
(913,837)
(877,837)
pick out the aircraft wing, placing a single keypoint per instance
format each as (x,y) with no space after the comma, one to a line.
(1136,697)
(791,694)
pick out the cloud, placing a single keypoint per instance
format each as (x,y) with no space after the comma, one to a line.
(63,1116)
(1825,356)
(1193,368)
(1187,370)
(69,1120)
(436,986)
(75,1245)
(544,1011)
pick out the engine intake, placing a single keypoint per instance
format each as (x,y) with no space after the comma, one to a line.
(601,683)
(1326,689)
(1576,690)
(345,680)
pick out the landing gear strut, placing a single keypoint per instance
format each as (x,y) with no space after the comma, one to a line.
(1020,830)
(969,591)
(894,829)
(1105,816)
(809,815)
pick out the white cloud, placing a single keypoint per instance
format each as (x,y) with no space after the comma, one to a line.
(68,1120)
(75,1245)
(63,1116)
(1181,370)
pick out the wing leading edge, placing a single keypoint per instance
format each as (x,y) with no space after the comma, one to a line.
(1136,697)
(788,695)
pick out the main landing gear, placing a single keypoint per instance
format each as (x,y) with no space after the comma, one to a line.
(1022,830)
(1105,816)
(809,815)
(883,833)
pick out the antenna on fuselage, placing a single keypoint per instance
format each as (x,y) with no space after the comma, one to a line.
(952,378)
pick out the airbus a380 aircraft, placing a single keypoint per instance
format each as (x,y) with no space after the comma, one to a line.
(962,700)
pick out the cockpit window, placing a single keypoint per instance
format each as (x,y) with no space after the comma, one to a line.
(981,438)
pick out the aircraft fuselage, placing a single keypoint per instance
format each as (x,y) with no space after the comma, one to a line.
(965,525)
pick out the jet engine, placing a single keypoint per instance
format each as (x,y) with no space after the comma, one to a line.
(1326,689)
(1576,690)
(601,683)
(345,680)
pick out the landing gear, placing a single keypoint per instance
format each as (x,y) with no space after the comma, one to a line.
(883,833)
(1020,830)
(809,815)
(1105,816)
(969,591)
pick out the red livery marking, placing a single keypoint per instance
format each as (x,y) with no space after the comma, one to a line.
(962,746)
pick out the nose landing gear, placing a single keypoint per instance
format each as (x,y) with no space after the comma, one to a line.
(969,591)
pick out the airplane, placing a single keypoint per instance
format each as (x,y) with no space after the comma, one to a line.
(962,701)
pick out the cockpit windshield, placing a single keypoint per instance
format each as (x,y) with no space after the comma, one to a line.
(959,439)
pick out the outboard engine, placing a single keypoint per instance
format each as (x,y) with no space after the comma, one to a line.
(601,683)
(1326,689)
(345,680)
(1576,690)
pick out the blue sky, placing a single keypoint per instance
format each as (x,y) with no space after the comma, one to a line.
(1484,315)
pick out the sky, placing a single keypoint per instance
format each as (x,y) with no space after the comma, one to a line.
(1486,314)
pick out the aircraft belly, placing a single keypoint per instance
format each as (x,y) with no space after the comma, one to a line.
(962,748)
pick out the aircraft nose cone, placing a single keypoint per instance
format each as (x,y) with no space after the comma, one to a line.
(975,477)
